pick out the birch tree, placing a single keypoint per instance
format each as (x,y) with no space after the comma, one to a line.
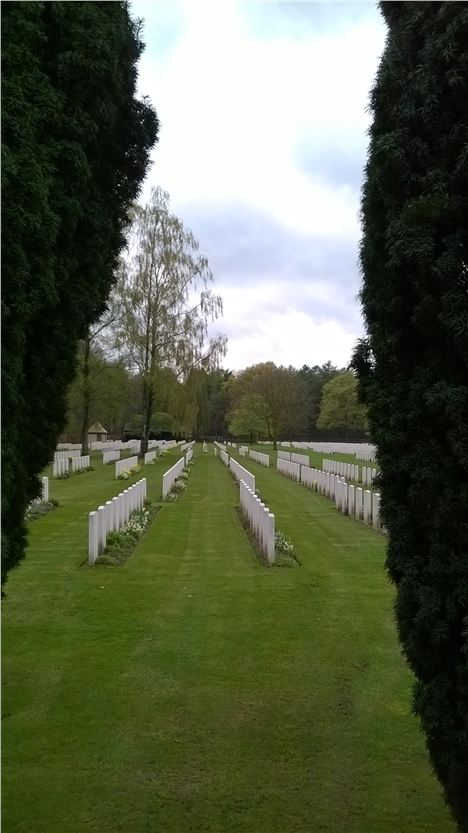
(166,302)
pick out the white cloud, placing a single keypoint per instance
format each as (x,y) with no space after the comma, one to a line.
(266,323)
(233,109)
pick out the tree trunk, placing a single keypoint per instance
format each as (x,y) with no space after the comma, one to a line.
(86,397)
(148,398)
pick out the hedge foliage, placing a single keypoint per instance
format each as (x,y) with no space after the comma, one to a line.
(413,366)
(76,144)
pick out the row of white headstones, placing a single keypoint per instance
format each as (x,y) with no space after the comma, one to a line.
(115,514)
(360,474)
(261,521)
(258,456)
(155,447)
(362,451)
(169,477)
(65,465)
(360,504)
(363,505)
(352,471)
(130,462)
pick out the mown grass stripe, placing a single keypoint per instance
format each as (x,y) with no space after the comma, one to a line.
(194,690)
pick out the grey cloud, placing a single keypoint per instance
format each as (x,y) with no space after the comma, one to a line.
(246,247)
(337,160)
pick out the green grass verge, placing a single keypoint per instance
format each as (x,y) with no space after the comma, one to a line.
(194,690)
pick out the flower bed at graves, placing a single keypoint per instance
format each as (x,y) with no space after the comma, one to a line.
(127,473)
(180,484)
(120,545)
(285,554)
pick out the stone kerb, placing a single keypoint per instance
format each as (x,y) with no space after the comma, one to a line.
(125,464)
(240,473)
(170,476)
(260,520)
(112,517)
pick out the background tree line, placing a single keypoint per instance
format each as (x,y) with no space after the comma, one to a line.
(262,402)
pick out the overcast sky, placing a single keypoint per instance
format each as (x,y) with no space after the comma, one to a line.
(263,137)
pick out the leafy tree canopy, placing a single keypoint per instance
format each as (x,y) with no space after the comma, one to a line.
(340,406)
(273,396)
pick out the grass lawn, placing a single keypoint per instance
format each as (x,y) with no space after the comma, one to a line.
(193,690)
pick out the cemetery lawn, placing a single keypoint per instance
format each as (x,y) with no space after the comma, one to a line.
(193,689)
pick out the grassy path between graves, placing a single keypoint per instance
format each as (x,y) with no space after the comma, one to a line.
(194,690)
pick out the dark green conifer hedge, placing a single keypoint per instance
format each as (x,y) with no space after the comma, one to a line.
(76,144)
(413,366)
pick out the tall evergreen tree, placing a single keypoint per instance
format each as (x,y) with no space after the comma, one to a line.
(413,366)
(76,145)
